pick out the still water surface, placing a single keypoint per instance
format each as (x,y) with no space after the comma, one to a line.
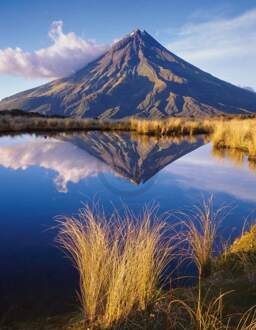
(42,177)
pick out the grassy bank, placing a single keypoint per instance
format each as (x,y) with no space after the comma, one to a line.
(121,262)
(23,124)
(225,132)
(15,122)
(236,134)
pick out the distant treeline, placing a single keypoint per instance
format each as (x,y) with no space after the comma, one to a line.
(21,113)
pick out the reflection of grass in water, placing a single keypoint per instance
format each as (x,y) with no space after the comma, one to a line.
(238,157)
(228,132)
(235,155)
(152,139)
(239,134)
(120,262)
(233,133)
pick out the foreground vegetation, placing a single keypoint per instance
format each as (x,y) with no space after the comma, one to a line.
(122,260)
(119,260)
(232,132)
(126,282)
(122,263)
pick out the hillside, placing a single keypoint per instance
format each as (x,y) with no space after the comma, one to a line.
(133,158)
(137,77)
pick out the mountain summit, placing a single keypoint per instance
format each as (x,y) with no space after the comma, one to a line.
(137,76)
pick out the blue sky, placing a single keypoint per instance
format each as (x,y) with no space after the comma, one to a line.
(40,39)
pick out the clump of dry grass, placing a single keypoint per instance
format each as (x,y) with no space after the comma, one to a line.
(226,132)
(248,320)
(10,123)
(201,312)
(170,126)
(243,253)
(208,312)
(200,232)
(201,228)
(233,133)
(237,134)
(120,262)
(206,309)
(246,242)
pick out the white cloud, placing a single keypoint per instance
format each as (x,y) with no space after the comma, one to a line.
(67,54)
(225,47)
(218,38)
(51,154)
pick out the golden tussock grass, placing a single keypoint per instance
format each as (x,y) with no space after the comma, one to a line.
(237,134)
(204,307)
(120,262)
(226,132)
(200,232)
(208,312)
(232,133)
(170,126)
(202,312)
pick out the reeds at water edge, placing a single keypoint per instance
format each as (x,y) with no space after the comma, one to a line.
(225,132)
(121,261)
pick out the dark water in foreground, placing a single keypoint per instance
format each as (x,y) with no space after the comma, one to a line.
(43,177)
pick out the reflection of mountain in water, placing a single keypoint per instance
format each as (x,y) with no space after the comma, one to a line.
(137,158)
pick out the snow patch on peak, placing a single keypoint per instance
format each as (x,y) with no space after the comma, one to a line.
(136,31)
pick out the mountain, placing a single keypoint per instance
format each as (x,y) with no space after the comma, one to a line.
(138,77)
(133,157)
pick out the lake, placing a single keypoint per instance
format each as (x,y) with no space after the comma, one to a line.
(43,177)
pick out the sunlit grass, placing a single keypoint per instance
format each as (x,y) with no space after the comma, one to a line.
(170,126)
(201,229)
(120,262)
(235,133)
(226,132)
(203,306)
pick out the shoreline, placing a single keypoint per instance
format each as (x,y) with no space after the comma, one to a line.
(229,281)
(225,132)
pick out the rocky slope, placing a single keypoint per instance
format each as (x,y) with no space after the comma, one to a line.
(137,76)
(133,158)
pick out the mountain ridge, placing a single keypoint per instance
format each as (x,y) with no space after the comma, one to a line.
(137,76)
(131,158)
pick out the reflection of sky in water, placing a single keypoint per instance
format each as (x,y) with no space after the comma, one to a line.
(69,162)
(40,170)
(202,171)
(31,166)
(41,178)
